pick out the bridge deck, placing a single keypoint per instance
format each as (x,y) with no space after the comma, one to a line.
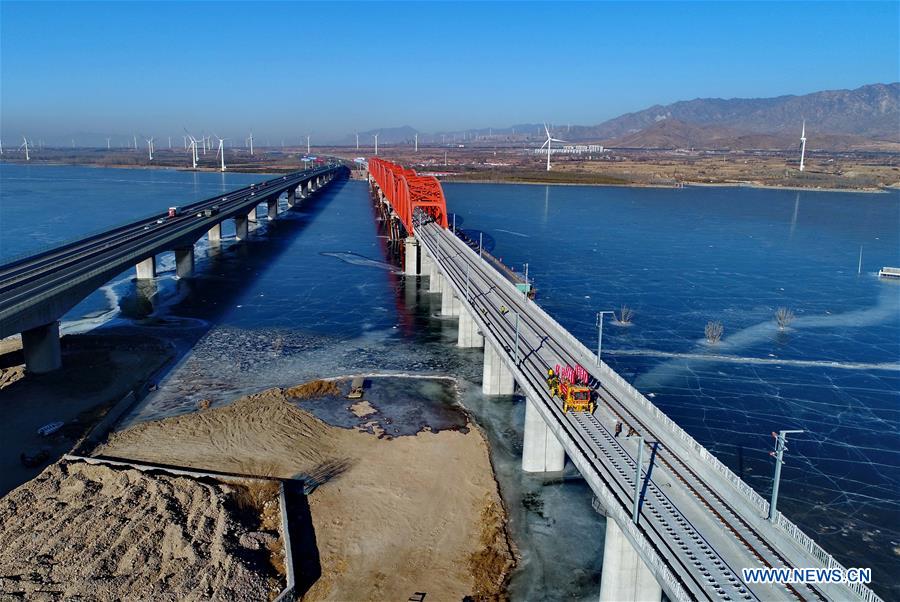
(699,524)
(40,288)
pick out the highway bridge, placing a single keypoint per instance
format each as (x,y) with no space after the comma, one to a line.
(695,524)
(37,290)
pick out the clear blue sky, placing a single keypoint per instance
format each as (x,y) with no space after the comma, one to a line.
(287,69)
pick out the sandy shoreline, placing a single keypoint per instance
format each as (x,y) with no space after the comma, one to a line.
(390,516)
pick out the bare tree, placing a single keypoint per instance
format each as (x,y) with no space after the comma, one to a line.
(784,317)
(714,331)
(625,315)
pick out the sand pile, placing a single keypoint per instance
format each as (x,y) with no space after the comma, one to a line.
(100,533)
(389,517)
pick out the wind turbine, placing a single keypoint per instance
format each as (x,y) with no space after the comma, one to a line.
(547,144)
(307,144)
(251,143)
(221,151)
(1,146)
(357,140)
(193,149)
(802,144)
(170,143)
(25,145)
(150,147)
(134,139)
(417,142)
(376,145)
(107,144)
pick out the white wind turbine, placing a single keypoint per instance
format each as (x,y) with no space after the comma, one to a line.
(107,144)
(134,139)
(25,146)
(251,143)
(417,142)
(221,152)
(802,144)
(193,149)
(376,144)
(357,140)
(150,147)
(547,144)
(307,144)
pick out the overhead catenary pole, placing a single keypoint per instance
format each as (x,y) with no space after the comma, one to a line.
(635,508)
(527,288)
(780,448)
(600,333)
(517,338)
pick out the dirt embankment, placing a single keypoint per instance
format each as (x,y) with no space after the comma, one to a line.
(79,531)
(389,517)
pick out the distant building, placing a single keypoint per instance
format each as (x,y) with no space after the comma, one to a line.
(573,149)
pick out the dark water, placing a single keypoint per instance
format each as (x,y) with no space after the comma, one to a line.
(314,294)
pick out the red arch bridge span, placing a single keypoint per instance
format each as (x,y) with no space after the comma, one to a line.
(403,192)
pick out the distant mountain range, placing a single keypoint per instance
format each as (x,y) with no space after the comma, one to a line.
(867,117)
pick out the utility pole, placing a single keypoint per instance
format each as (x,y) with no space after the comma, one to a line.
(780,448)
(637,481)
(600,332)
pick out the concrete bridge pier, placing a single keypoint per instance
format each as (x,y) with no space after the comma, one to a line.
(41,348)
(435,280)
(251,215)
(292,197)
(624,576)
(241,227)
(146,269)
(184,261)
(272,207)
(215,233)
(496,379)
(411,259)
(469,334)
(450,305)
(425,262)
(541,450)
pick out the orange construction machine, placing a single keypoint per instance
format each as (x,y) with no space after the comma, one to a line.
(563,383)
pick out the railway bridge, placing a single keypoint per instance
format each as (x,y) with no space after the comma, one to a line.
(678,520)
(38,289)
